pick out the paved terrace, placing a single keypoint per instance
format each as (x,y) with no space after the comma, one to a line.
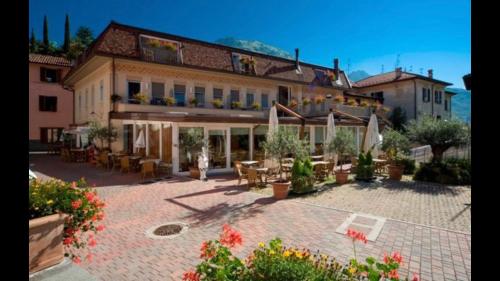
(125,253)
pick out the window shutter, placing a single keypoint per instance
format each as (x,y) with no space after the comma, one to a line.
(42,74)
(40,103)
(54,100)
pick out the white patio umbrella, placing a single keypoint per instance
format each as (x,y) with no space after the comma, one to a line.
(372,136)
(273,128)
(140,142)
(330,135)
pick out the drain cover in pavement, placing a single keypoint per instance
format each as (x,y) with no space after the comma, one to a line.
(368,224)
(167,230)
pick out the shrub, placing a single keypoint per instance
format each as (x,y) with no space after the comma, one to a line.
(398,118)
(78,201)
(365,168)
(450,171)
(409,164)
(396,145)
(302,176)
(343,144)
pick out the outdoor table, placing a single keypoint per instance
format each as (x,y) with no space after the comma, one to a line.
(317,157)
(379,164)
(288,159)
(314,163)
(134,162)
(142,161)
(260,172)
(249,163)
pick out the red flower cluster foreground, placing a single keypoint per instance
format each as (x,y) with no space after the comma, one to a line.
(357,235)
(191,276)
(230,237)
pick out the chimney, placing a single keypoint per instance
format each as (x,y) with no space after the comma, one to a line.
(297,58)
(429,73)
(399,71)
(336,67)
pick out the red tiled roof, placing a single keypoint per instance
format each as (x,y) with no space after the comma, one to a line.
(391,77)
(46,59)
(123,41)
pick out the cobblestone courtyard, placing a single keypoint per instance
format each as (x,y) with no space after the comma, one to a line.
(124,252)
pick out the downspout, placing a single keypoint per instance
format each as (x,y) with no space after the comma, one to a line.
(109,110)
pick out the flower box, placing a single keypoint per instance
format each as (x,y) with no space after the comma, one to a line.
(46,242)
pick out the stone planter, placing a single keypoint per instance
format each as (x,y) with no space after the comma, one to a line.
(341,177)
(46,242)
(395,172)
(280,189)
(194,173)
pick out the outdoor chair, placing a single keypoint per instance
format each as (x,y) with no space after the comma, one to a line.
(148,168)
(165,168)
(252,177)
(354,164)
(124,164)
(320,172)
(242,172)
(116,162)
(330,167)
(103,160)
(236,162)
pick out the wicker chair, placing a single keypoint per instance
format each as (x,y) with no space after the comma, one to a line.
(330,168)
(320,172)
(148,168)
(103,160)
(125,164)
(252,177)
(165,168)
(116,162)
(242,172)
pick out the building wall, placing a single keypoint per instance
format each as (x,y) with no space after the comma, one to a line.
(431,108)
(38,119)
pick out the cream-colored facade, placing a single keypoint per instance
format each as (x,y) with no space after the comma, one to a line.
(409,95)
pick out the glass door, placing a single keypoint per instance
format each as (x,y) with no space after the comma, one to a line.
(217,148)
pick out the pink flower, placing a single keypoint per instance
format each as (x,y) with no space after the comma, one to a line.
(355,235)
(76,204)
(89,257)
(100,228)
(397,257)
(393,274)
(415,277)
(77,260)
(92,243)
(68,241)
(90,196)
(229,236)
(207,251)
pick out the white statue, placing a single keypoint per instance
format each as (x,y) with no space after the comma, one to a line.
(203,164)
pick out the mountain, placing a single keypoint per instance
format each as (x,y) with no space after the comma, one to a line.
(357,75)
(254,46)
(460,103)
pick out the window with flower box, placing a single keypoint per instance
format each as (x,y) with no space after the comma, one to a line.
(159,50)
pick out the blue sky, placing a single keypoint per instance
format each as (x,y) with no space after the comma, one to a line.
(362,34)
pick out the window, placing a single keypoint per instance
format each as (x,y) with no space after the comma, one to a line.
(80,102)
(180,95)
(250,99)
(86,99)
(199,94)
(446,105)
(379,96)
(50,135)
(46,103)
(264,100)
(235,95)
(236,62)
(426,94)
(101,90)
(158,90)
(134,87)
(218,94)
(49,75)
(438,97)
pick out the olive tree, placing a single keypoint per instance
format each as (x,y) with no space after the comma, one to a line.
(439,134)
(343,144)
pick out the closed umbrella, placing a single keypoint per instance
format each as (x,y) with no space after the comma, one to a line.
(140,142)
(330,135)
(273,128)
(372,137)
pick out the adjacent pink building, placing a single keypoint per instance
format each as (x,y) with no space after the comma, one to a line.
(50,105)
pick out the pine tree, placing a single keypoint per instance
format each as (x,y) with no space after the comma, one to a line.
(67,35)
(33,42)
(46,42)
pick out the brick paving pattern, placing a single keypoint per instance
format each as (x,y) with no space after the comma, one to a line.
(124,252)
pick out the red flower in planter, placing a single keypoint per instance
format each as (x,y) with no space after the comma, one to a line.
(68,241)
(207,251)
(92,243)
(100,228)
(396,257)
(77,260)
(393,274)
(76,204)
(90,196)
(355,235)
(191,276)
(230,237)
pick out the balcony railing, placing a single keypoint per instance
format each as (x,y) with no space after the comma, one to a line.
(160,55)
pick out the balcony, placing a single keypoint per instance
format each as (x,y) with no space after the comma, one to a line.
(207,109)
(318,109)
(159,51)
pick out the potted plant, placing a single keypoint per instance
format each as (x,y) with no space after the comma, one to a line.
(365,167)
(102,134)
(292,104)
(236,105)
(342,145)
(61,216)
(170,101)
(319,99)
(193,102)
(218,103)
(154,43)
(170,46)
(302,176)
(395,145)
(192,144)
(306,101)
(352,102)
(279,145)
(338,99)
(115,99)
(365,103)
(142,98)
(256,106)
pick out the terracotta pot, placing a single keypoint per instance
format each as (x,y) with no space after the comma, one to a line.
(280,189)
(341,177)
(45,245)
(115,106)
(395,171)
(194,173)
